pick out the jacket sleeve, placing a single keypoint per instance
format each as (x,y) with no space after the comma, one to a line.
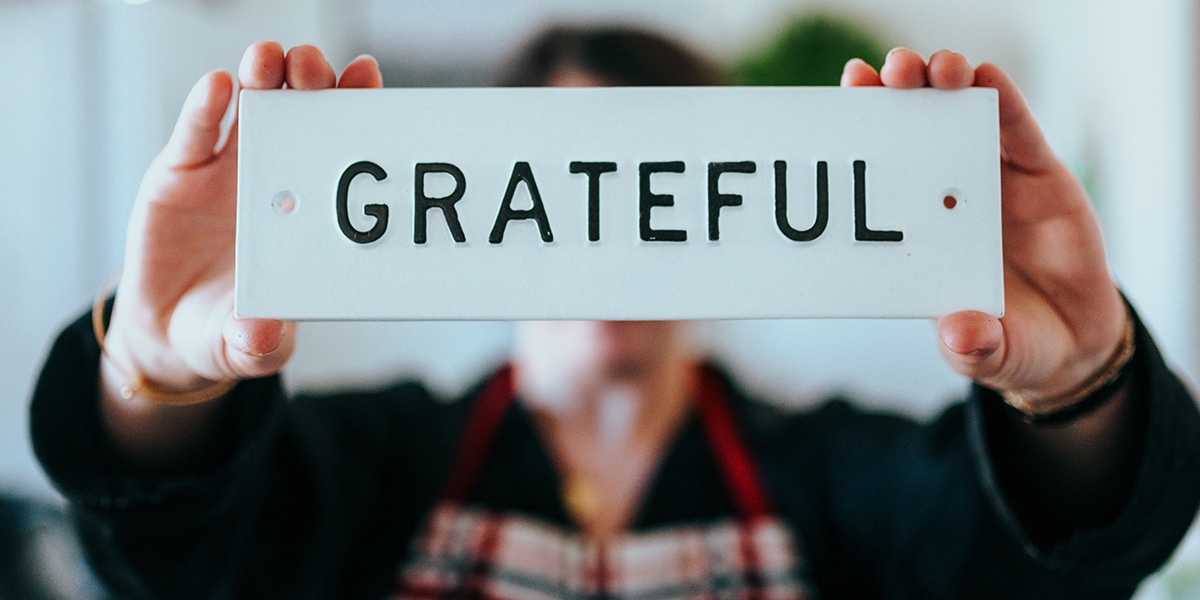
(886,507)
(1112,560)
(302,498)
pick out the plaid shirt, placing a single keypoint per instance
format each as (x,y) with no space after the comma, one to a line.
(469,551)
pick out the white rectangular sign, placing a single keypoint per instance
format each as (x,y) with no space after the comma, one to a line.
(618,203)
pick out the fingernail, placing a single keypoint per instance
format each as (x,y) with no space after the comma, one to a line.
(305,48)
(199,93)
(904,49)
(244,66)
(366,56)
(252,53)
(945,52)
(246,343)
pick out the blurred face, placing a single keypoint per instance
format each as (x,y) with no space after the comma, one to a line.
(601,350)
(568,76)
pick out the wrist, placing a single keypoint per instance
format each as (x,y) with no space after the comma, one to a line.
(158,383)
(1092,391)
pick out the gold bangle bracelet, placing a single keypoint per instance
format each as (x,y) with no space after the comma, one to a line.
(1106,375)
(137,385)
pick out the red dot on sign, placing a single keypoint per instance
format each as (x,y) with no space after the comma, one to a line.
(950,201)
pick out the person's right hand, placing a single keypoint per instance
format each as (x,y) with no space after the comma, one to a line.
(172,321)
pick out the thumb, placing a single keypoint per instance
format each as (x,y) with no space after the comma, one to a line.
(1020,135)
(257,347)
(973,343)
(194,140)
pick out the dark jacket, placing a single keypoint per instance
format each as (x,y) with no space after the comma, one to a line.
(321,497)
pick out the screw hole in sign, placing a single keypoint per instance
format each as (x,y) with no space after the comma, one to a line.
(951,198)
(284,203)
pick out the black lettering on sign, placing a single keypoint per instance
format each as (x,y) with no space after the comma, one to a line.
(648,200)
(593,170)
(379,211)
(716,199)
(861,232)
(422,203)
(781,203)
(521,174)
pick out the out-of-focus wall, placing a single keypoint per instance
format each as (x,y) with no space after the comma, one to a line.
(91,88)
(1119,113)
(90,92)
(99,82)
(44,228)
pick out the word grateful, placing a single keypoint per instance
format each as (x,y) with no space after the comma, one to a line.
(522,174)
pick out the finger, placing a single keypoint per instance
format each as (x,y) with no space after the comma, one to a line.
(307,69)
(362,72)
(262,67)
(1020,136)
(257,347)
(973,343)
(903,68)
(198,129)
(857,73)
(949,71)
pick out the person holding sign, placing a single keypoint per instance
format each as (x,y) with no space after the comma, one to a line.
(606,460)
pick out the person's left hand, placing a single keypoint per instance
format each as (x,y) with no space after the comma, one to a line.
(1064,316)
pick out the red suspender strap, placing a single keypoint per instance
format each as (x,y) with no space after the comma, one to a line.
(738,469)
(741,473)
(733,457)
(498,395)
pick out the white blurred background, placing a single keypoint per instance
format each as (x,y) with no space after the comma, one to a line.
(89,90)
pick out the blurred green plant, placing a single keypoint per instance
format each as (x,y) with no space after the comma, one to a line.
(810,50)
